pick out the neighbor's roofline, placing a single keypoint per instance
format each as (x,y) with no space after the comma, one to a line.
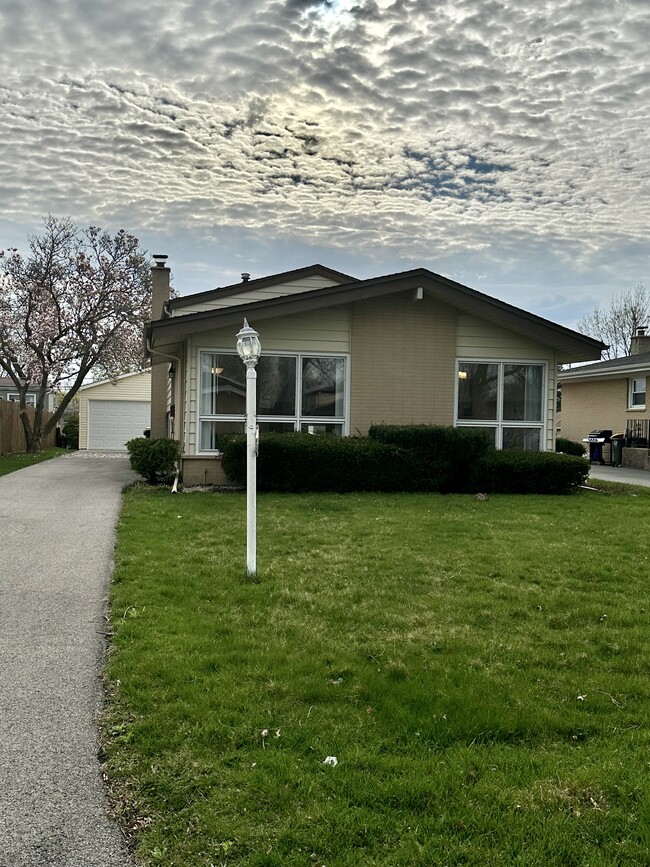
(620,370)
(117,379)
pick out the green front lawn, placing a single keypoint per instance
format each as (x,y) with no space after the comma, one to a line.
(19,460)
(478,669)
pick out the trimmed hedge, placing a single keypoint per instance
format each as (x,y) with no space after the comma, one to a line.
(299,462)
(154,459)
(446,455)
(517,472)
(416,458)
(570,447)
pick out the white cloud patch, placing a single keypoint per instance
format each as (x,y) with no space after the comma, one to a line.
(511,133)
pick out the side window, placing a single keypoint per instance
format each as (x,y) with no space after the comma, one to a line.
(637,392)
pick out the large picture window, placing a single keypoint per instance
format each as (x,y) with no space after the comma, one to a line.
(505,398)
(301,392)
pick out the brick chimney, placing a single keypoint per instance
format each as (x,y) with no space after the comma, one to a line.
(160,288)
(160,292)
(640,341)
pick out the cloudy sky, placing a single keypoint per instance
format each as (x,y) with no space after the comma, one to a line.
(502,143)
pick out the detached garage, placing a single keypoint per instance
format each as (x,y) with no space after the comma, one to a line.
(111,413)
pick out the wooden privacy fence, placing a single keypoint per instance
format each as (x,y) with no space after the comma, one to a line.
(12,437)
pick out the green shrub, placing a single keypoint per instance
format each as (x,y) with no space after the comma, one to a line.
(301,462)
(445,455)
(518,472)
(70,433)
(154,459)
(570,447)
(414,458)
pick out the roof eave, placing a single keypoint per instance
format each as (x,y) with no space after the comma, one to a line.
(569,345)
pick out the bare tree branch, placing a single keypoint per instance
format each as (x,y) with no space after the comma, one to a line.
(617,324)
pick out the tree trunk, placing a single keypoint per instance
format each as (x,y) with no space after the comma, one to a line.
(33,434)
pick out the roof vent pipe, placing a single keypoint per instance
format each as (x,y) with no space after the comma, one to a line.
(245,277)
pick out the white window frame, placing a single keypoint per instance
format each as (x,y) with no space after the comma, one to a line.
(631,392)
(500,423)
(14,397)
(297,420)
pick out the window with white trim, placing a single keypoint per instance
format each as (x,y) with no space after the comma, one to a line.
(637,393)
(295,392)
(504,398)
(30,399)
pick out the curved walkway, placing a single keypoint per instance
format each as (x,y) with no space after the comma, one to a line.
(57,524)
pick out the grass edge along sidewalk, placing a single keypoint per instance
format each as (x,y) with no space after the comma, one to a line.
(13,461)
(477,669)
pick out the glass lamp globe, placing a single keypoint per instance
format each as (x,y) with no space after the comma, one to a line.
(248,344)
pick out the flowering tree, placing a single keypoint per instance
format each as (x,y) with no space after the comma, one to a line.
(78,301)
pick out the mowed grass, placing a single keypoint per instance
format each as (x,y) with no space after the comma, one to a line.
(480,671)
(19,460)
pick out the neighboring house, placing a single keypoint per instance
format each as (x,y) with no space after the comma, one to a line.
(610,395)
(8,392)
(113,412)
(340,354)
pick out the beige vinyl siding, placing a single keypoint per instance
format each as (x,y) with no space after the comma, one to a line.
(478,340)
(135,386)
(403,362)
(265,293)
(322,331)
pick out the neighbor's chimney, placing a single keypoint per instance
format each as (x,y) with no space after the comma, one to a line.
(160,288)
(245,277)
(640,341)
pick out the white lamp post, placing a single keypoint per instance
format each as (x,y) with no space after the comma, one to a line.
(249,348)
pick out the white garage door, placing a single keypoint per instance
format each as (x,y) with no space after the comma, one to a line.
(112,422)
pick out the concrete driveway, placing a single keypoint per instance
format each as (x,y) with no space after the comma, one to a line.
(57,522)
(620,474)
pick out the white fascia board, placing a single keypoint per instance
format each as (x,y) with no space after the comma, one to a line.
(621,372)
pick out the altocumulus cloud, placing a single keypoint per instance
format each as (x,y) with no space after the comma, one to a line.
(499,130)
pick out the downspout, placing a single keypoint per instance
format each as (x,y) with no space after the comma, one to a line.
(175,358)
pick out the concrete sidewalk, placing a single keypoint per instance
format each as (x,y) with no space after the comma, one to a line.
(57,523)
(620,474)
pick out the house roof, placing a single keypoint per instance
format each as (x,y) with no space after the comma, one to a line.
(7,382)
(117,379)
(570,345)
(259,283)
(615,367)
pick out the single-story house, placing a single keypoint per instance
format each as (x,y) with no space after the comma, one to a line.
(340,354)
(111,412)
(8,392)
(611,395)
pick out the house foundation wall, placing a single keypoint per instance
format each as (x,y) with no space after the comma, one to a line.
(198,470)
(636,459)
